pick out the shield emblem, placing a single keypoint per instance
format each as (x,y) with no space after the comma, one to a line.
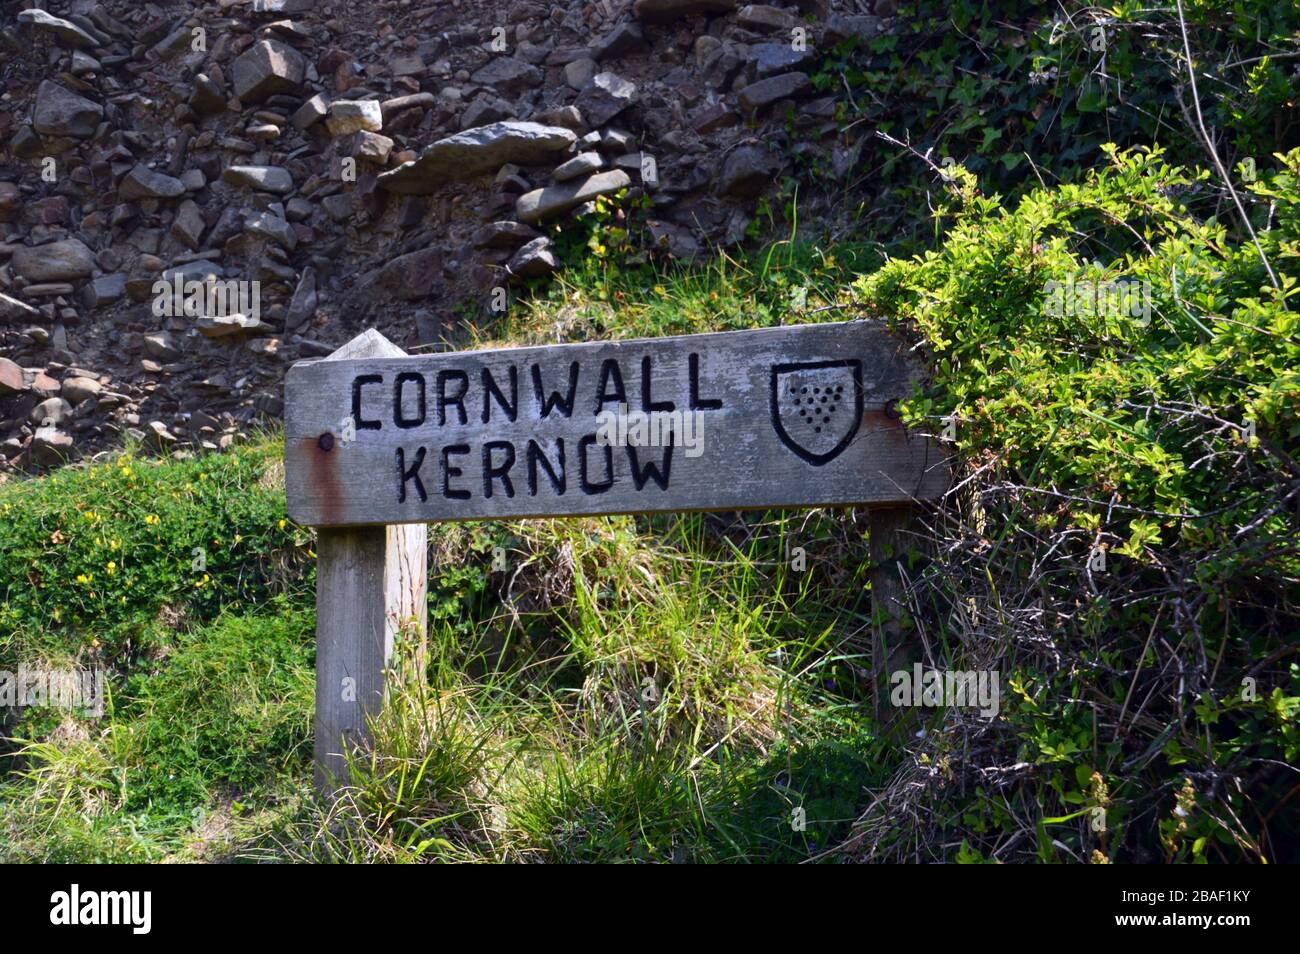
(817,406)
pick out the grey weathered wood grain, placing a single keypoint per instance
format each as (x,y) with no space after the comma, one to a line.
(370,586)
(745,462)
(888,540)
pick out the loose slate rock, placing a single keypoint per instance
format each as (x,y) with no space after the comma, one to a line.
(65,30)
(534,260)
(50,446)
(503,235)
(310,112)
(541,204)
(61,112)
(162,346)
(476,152)
(762,17)
(77,389)
(189,225)
(584,163)
(266,68)
(145,183)
(11,309)
(772,58)
(63,261)
(607,95)
(208,98)
(303,305)
(747,171)
(623,39)
(265,178)
(347,116)
(667,11)
(507,74)
(767,91)
(11,377)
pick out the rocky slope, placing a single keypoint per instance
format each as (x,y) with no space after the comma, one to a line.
(381,163)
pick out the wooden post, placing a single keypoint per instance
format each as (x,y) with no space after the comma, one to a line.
(888,541)
(370,586)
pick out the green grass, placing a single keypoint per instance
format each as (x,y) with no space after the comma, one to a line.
(631,689)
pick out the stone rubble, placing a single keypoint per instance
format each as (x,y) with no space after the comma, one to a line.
(355,165)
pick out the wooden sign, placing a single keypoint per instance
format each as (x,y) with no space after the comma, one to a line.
(778,417)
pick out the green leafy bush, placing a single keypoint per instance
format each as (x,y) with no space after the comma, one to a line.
(1125,547)
(1026,93)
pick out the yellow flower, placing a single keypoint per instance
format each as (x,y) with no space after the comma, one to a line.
(281,524)
(83,578)
(111,567)
(151,519)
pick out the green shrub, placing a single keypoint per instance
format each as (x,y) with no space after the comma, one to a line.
(1130,547)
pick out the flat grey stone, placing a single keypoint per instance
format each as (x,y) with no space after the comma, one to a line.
(61,112)
(11,309)
(68,260)
(532,207)
(476,152)
(767,91)
(584,163)
(265,178)
(145,183)
(68,32)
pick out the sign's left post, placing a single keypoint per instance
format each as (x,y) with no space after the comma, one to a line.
(371,586)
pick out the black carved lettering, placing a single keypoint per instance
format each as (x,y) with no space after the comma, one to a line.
(536,455)
(610,372)
(555,400)
(448,472)
(357,383)
(399,416)
(492,392)
(411,473)
(458,399)
(651,471)
(698,403)
(587,486)
(647,403)
(500,471)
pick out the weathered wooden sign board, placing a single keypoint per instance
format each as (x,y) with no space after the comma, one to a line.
(379,443)
(777,417)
